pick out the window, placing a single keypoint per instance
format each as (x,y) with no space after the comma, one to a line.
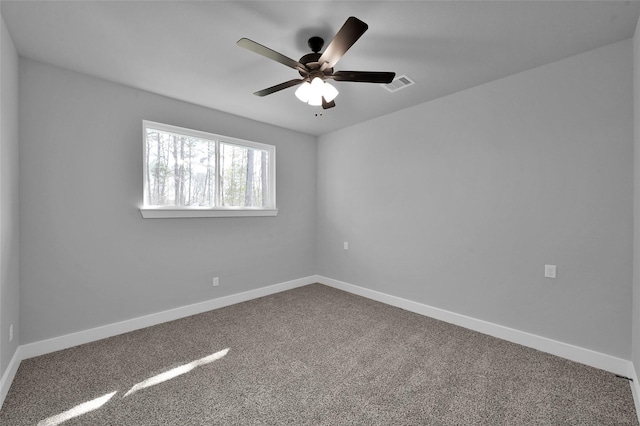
(188,173)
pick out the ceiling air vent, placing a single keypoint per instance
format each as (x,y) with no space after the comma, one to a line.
(398,83)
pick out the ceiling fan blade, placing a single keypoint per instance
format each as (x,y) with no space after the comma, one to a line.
(271,54)
(327,105)
(278,87)
(350,32)
(363,76)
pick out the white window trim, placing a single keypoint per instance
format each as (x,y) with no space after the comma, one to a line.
(175,212)
(162,212)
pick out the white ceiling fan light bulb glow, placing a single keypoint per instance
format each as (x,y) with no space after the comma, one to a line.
(329,92)
(315,100)
(304,92)
(317,84)
(316,90)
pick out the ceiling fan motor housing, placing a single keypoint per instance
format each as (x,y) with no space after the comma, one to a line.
(312,58)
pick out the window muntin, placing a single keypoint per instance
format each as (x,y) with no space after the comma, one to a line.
(186,169)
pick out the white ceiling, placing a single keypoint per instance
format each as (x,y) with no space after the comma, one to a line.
(186,50)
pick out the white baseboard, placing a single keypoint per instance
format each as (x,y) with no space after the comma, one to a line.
(9,374)
(574,353)
(635,388)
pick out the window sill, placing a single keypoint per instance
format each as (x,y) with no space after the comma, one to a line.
(170,213)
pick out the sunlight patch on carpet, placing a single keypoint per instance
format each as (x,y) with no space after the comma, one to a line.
(175,372)
(76,411)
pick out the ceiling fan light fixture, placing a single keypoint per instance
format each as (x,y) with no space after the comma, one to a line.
(312,93)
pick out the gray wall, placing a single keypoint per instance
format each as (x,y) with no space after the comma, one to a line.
(459,203)
(9,217)
(636,206)
(87,256)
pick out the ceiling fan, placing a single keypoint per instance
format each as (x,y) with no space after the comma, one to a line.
(316,68)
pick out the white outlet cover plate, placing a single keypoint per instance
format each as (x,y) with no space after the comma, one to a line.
(549,271)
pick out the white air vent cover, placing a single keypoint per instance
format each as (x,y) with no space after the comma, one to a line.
(398,83)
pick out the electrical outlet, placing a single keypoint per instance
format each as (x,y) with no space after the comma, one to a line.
(549,271)
(216,281)
(346,245)
(11,332)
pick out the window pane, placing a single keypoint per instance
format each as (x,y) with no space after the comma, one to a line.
(244,176)
(180,170)
(186,168)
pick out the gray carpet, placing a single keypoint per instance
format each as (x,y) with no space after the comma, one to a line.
(311,356)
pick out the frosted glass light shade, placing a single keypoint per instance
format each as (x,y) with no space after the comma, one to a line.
(304,92)
(329,92)
(316,92)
